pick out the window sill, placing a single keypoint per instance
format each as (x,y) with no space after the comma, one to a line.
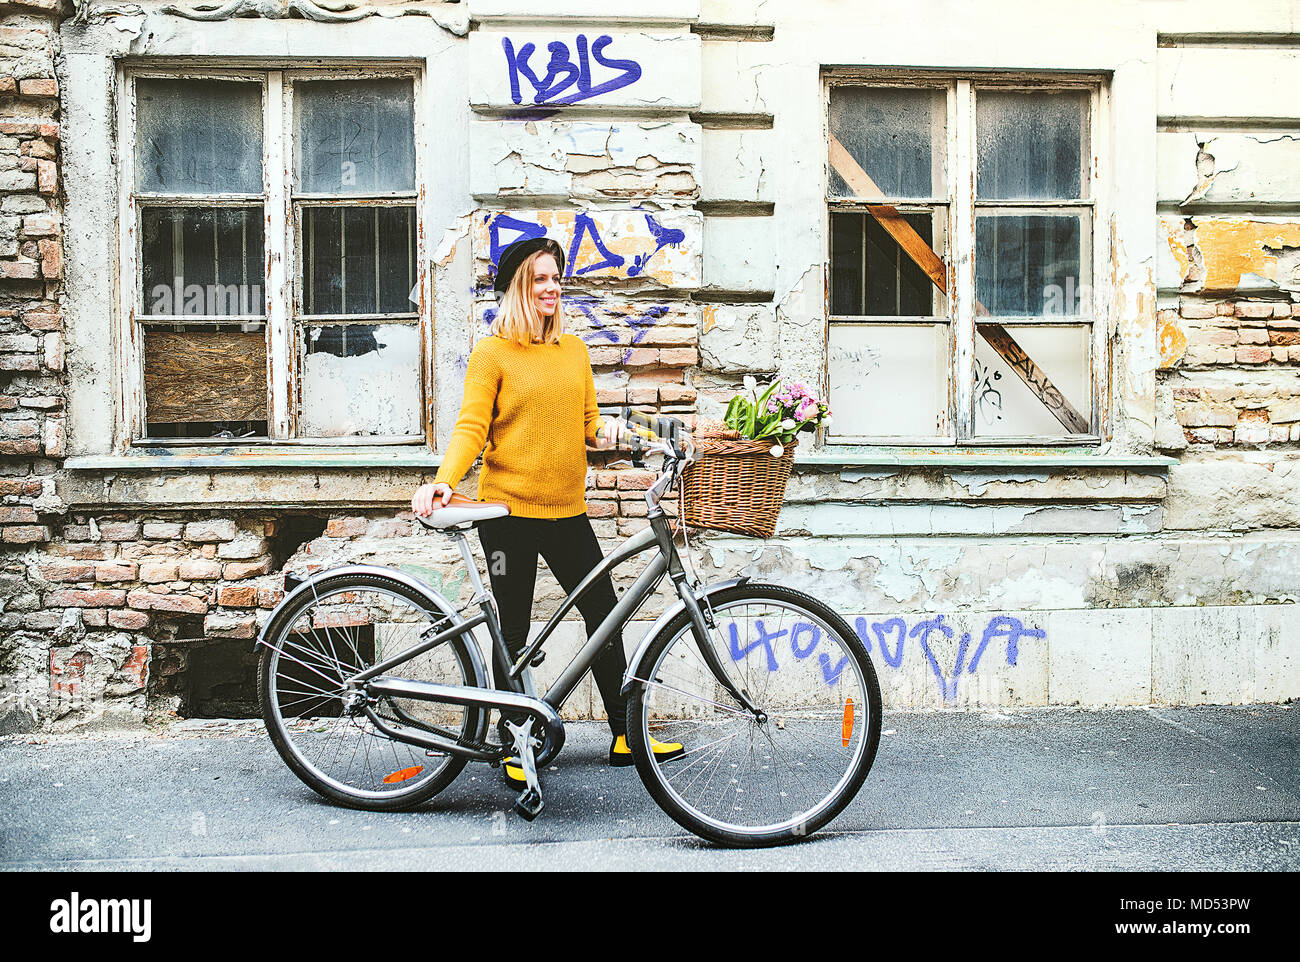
(173,459)
(967,458)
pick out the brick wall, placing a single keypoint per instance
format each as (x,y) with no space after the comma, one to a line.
(32,429)
(1230,364)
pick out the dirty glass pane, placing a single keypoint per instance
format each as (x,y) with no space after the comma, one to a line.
(360,379)
(1032,145)
(1058,364)
(205,382)
(202,260)
(354,136)
(1032,265)
(358,260)
(198,136)
(871,273)
(894,135)
(888,380)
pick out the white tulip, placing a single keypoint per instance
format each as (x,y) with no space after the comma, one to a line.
(777,450)
(787,424)
(750,384)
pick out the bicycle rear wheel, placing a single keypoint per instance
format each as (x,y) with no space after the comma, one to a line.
(745,781)
(313,644)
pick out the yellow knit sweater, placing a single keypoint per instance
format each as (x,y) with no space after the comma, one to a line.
(535,406)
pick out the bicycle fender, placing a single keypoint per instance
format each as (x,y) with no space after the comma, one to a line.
(437,601)
(634,663)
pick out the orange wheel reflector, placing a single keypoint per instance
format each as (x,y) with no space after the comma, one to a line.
(846,729)
(407,773)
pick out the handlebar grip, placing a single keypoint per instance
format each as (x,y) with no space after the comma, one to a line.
(654,428)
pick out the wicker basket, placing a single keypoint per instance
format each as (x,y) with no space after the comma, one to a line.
(735,484)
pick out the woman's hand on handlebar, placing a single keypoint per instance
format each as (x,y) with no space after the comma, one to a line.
(430,497)
(612,432)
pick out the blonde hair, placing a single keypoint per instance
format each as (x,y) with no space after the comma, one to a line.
(518,319)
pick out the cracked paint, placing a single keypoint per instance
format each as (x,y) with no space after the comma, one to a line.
(1235,253)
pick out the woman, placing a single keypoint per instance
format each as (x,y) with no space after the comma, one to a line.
(530,395)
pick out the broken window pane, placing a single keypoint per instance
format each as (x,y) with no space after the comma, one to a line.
(888,380)
(871,273)
(1032,265)
(205,381)
(894,136)
(1054,359)
(355,136)
(1032,145)
(202,260)
(360,379)
(358,260)
(198,136)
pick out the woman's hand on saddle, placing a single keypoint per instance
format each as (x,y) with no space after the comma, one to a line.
(430,497)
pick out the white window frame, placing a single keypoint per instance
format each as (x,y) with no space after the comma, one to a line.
(959,255)
(282,251)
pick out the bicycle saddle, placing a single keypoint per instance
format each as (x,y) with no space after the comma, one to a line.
(461,509)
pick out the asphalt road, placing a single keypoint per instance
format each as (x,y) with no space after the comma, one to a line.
(1210,788)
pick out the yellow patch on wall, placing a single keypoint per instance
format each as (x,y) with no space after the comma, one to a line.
(1234,247)
(1173,342)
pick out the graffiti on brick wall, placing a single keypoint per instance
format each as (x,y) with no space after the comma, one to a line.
(504,230)
(801,641)
(569,76)
(607,323)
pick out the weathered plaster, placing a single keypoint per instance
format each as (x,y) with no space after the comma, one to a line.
(584,160)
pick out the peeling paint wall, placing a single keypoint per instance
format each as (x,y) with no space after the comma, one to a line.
(679,155)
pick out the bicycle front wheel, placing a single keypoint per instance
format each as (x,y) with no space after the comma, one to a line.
(744,779)
(313,644)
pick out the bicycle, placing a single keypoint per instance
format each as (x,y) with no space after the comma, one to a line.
(770,691)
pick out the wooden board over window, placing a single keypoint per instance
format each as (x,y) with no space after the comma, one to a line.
(204,376)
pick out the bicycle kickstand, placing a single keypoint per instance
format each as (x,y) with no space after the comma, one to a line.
(529,803)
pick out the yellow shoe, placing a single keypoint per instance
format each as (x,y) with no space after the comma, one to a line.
(620,755)
(514,773)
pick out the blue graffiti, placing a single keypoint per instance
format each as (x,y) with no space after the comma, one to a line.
(584,226)
(524,230)
(584,229)
(830,673)
(562,73)
(1009,628)
(947,686)
(640,323)
(881,628)
(764,639)
(664,236)
(998,627)
(800,628)
(805,637)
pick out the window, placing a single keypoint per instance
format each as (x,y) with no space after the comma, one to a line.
(961,218)
(276,292)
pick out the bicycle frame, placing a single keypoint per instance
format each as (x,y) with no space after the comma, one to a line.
(657,536)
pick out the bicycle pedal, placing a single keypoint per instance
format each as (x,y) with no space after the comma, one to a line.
(529,804)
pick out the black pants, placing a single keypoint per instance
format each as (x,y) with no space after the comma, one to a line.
(510,548)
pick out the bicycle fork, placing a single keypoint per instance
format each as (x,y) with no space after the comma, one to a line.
(702,621)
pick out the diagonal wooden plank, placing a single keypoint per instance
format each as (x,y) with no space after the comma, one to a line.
(915,246)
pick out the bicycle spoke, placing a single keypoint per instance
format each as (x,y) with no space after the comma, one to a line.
(320,723)
(747,776)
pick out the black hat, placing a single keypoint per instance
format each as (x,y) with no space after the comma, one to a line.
(517,253)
